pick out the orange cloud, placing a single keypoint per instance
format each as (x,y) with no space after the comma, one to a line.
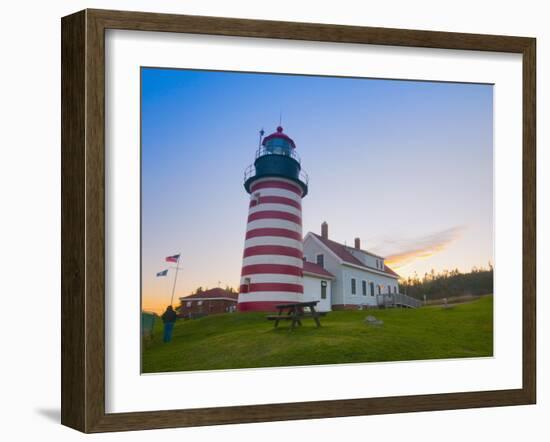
(423,247)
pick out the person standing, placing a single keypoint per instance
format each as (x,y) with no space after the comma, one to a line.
(169,319)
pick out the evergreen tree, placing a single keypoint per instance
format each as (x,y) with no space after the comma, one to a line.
(479,281)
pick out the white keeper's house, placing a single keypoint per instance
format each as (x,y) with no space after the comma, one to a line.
(344,277)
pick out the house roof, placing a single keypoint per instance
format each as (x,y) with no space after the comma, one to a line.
(316,269)
(390,271)
(342,252)
(211,294)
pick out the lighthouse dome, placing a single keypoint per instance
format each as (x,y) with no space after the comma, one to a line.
(279,142)
(276,158)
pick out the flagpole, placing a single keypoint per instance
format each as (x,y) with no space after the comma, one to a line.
(175,279)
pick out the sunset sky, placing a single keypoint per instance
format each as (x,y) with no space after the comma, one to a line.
(407,166)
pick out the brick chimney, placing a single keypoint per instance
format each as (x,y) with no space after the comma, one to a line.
(358,243)
(324,230)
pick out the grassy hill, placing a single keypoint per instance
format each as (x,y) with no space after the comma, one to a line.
(246,340)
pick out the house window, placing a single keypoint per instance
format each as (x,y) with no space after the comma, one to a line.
(353,286)
(189,303)
(379,290)
(323,290)
(371,288)
(199,302)
(364,288)
(321,260)
(395,289)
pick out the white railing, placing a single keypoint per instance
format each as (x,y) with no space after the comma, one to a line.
(408,301)
(398,300)
(249,172)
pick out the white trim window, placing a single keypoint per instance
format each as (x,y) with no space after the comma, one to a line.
(320,260)
(324,290)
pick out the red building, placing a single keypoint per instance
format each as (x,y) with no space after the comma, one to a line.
(209,302)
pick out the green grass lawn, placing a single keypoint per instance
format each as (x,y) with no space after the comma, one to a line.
(246,340)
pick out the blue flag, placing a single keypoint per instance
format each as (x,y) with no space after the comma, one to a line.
(163,273)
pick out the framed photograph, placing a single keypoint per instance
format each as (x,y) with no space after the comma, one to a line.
(268,220)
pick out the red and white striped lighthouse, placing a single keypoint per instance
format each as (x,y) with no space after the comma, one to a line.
(272,259)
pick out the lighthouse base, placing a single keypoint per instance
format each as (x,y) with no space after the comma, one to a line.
(261,306)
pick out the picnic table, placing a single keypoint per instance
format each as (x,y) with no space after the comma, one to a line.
(295,313)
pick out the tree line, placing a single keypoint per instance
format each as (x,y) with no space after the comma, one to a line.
(448,283)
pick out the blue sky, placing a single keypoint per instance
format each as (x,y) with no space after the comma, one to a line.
(405,165)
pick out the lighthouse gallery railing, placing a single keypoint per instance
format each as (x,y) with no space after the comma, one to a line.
(250,171)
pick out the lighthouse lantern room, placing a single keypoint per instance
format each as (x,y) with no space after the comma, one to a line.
(272,259)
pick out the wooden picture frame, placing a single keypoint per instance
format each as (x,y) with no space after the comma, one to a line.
(83,220)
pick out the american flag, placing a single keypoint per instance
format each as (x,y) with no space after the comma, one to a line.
(173,258)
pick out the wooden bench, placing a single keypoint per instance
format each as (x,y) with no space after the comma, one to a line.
(295,312)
